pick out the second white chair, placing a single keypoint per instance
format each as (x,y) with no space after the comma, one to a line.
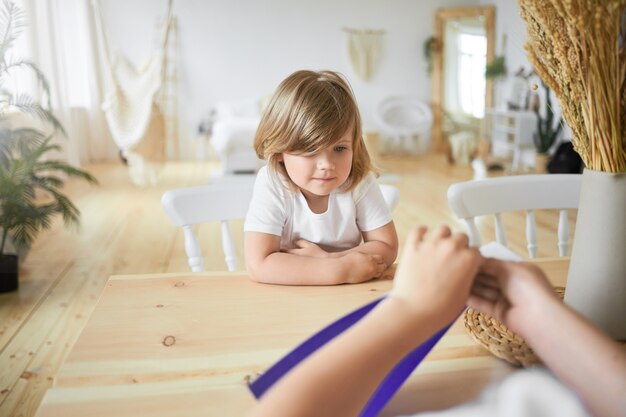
(522,192)
(391,194)
(221,202)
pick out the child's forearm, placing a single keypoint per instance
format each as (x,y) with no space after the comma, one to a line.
(373,247)
(340,378)
(580,355)
(287,269)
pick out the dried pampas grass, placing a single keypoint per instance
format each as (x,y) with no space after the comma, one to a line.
(578,49)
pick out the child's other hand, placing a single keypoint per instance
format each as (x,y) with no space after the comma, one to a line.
(509,291)
(306,248)
(360,267)
(435,274)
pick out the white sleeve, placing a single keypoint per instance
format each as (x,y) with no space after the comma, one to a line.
(267,211)
(372,211)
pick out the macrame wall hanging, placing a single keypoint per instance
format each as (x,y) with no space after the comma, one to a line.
(365,50)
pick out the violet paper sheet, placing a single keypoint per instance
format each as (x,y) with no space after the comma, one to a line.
(387,387)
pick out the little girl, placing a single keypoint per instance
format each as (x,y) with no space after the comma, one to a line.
(317,215)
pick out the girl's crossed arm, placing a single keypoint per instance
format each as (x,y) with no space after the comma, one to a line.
(266,263)
(382,241)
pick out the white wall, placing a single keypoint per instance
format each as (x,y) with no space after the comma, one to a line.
(509,22)
(235,49)
(230,50)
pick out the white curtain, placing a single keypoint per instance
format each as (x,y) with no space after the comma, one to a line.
(64,44)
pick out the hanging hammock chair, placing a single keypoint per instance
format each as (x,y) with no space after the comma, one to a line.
(132,108)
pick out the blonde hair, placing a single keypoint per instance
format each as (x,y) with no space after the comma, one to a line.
(310,111)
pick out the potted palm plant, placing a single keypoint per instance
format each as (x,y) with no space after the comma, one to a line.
(31,181)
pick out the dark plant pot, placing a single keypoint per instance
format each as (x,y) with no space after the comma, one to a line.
(8,273)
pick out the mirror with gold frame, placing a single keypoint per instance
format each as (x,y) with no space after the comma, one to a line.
(464,45)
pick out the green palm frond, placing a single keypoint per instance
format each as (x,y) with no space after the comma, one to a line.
(67,209)
(17,141)
(27,104)
(32,67)
(68,170)
(11,23)
(31,223)
(49,182)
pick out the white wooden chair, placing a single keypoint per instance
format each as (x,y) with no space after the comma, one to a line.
(391,194)
(213,202)
(522,192)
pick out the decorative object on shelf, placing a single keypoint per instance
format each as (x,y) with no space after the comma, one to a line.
(30,180)
(364,48)
(568,41)
(519,92)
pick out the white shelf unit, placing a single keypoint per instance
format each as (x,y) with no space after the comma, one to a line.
(511,133)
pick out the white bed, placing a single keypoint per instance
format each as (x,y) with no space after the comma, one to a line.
(233,133)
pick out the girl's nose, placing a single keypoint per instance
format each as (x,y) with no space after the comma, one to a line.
(325,161)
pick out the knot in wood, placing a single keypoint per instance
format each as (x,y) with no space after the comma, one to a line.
(169,341)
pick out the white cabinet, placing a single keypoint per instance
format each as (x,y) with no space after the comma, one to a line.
(511,133)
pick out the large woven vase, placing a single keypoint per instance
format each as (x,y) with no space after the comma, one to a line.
(596,283)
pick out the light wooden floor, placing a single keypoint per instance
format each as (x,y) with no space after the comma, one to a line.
(124,230)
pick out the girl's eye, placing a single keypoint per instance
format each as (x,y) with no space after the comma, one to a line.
(340,148)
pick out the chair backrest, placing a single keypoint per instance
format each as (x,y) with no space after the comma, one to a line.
(213,202)
(522,192)
(391,194)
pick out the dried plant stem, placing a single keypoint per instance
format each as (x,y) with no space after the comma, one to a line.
(578,50)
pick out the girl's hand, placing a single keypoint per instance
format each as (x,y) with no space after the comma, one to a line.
(361,267)
(310,249)
(510,292)
(435,274)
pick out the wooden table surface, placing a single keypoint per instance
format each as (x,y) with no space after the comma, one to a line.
(185,345)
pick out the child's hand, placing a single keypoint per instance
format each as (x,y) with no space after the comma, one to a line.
(435,274)
(360,267)
(509,291)
(306,248)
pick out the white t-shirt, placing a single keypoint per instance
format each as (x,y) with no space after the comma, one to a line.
(533,392)
(276,210)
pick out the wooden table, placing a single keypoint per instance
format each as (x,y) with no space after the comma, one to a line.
(185,345)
